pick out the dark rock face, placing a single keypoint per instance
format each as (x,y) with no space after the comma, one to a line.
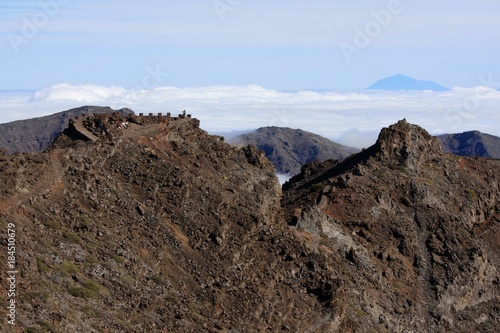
(36,135)
(289,149)
(473,143)
(422,228)
(161,227)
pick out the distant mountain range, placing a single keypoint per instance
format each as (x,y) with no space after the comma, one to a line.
(472,143)
(402,82)
(36,134)
(289,149)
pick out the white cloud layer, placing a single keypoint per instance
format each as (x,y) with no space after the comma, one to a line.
(353,118)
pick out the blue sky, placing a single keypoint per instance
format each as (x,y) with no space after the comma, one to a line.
(276,44)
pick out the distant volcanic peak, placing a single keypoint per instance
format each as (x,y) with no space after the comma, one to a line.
(406,143)
(402,82)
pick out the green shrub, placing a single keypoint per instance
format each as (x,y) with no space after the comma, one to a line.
(51,224)
(158,280)
(41,265)
(171,298)
(73,238)
(127,279)
(316,187)
(396,167)
(46,326)
(83,293)
(43,326)
(89,311)
(3,223)
(91,285)
(69,267)
(84,222)
(471,194)
(118,259)
(90,259)
(34,295)
(88,289)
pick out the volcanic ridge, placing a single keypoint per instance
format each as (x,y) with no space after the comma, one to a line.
(148,224)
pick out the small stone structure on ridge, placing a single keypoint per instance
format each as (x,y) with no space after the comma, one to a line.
(93,127)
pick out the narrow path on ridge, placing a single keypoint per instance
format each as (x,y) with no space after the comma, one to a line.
(47,182)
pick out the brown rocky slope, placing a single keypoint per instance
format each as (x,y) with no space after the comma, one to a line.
(163,228)
(156,228)
(421,227)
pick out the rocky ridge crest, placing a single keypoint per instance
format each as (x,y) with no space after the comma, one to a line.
(471,143)
(421,226)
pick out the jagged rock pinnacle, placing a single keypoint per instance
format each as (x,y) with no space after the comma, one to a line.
(406,144)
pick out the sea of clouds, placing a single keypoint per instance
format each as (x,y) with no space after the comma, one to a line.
(353,118)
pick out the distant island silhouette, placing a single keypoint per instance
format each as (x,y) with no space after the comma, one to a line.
(402,82)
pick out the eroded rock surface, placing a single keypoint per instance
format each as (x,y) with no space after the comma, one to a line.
(160,227)
(422,228)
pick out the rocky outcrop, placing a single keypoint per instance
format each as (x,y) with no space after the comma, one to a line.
(406,144)
(420,226)
(79,131)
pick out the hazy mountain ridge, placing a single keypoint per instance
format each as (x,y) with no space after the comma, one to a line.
(36,134)
(162,227)
(471,143)
(289,149)
(402,82)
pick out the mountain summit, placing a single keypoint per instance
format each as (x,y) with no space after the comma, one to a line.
(419,227)
(288,149)
(402,82)
(471,143)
